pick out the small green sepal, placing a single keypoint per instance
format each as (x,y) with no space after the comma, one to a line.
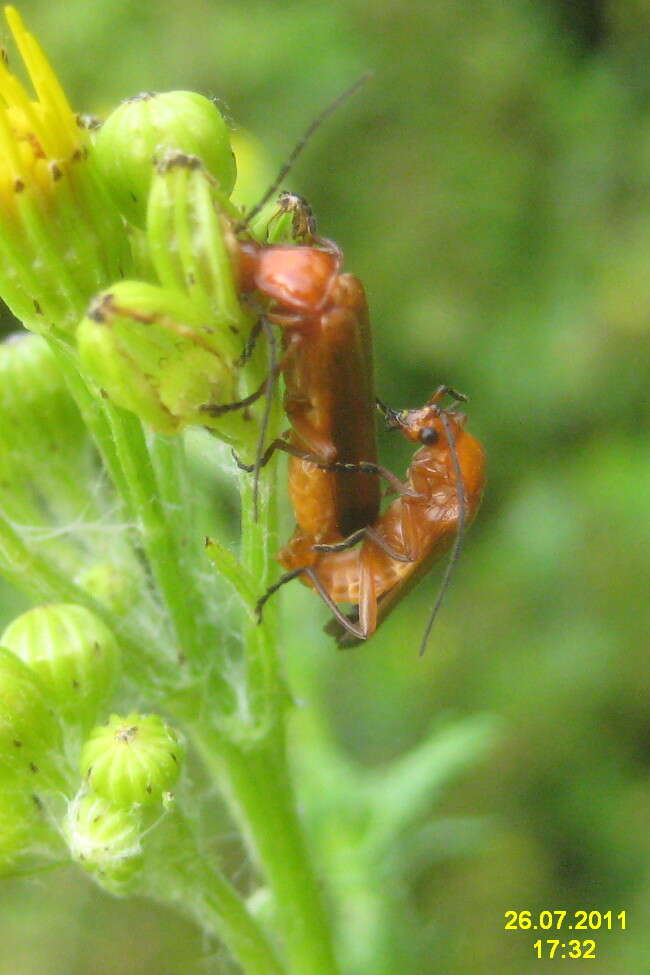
(191,237)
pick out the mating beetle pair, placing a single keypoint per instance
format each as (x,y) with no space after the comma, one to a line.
(343,547)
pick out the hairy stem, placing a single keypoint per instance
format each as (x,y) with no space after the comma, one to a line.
(258,783)
(157,537)
(180,875)
(254,772)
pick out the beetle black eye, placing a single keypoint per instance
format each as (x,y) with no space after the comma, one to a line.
(429,436)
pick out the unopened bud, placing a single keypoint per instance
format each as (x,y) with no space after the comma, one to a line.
(104,839)
(31,743)
(132,759)
(153,353)
(44,446)
(142,129)
(112,585)
(74,654)
(190,241)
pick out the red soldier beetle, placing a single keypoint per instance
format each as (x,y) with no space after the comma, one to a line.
(328,372)
(327,362)
(439,500)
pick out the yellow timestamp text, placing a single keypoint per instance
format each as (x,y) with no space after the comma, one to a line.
(573,948)
(565,920)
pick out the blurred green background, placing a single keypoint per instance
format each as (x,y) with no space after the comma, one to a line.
(491,187)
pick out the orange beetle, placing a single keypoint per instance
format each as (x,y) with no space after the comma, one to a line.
(328,373)
(441,496)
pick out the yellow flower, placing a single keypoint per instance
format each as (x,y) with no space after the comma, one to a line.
(37,138)
(61,241)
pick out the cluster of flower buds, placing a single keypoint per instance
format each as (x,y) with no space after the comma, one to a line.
(116,253)
(116,239)
(168,349)
(59,774)
(129,767)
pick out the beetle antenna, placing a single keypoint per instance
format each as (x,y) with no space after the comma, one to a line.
(460,533)
(302,142)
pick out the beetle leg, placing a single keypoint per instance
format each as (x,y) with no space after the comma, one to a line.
(287,577)
(217,409)
(447,391)
(264,459)
(364,467)
(251,342)
(367,595)
(308,570)
(358,631)
(288,448)
(373,536)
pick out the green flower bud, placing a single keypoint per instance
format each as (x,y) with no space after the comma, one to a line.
(111,585)
(140,130)
(22,826)
(31,383)
(31,745)
(153,353)
(132,759)
(74,654)
(61,241)
(190,241)
(45,453)
(104,839)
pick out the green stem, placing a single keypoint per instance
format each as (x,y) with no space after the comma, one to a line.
(157,537)
(266,691)
(179,874)
(253,768)
(257,781)
(178,509)
(219,909)
(120,439)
